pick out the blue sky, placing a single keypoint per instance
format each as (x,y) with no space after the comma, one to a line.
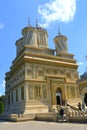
(69,15)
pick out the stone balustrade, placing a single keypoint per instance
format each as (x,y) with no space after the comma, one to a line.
(10,117)
(50,116)
(16,117)
(74,116)
(77,116)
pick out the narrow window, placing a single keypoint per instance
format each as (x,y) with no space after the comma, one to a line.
(37,91)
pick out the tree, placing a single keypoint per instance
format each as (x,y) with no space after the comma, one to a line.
(1,107)
(2,103)
(2,99)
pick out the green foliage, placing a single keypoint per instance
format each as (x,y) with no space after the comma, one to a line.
(1,107)
(2,99)
(2,103)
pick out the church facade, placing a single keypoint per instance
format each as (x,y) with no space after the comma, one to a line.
(41,78)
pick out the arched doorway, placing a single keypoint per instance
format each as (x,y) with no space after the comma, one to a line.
(59,96)
(85,99)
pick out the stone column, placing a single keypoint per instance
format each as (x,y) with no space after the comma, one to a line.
(10,98)
(53,94)
(75,92)
(49,94)
(14,96)
(19,94)
(26,91)
(65,92)
(70,92)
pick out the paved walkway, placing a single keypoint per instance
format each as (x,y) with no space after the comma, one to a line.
(38,125)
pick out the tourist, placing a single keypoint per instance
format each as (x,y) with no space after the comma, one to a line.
(79,106)
(62,113)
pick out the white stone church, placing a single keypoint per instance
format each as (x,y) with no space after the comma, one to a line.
(41,78)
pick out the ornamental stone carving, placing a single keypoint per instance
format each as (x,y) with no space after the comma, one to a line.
(68,74)
(75,75)
(40,73)
(48,71)
(55,71)
(62,72)
(29,72)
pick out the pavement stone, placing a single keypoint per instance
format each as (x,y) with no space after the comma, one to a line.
(38,125)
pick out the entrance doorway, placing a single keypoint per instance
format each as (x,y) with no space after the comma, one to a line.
(59,97)
(85,99)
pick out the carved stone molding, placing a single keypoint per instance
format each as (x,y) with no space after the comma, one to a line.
(68,75)
(48,71)
(55,71)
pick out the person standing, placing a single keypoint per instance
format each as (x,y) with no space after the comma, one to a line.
(79,106)
(62,113)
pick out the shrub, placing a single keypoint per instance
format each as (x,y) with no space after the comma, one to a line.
(1,107)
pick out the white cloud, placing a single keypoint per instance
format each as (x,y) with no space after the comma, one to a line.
(80,63)
(57,10)
(1,25)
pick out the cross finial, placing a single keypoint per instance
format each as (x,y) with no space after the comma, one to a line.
(29,21)
(58,30)
(36,23)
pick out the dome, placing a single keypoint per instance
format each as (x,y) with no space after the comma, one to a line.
(61,44)
(84,76)
(26,29)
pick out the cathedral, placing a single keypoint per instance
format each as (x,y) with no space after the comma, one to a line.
(41,78)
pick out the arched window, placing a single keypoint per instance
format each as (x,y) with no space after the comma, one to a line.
(59,96)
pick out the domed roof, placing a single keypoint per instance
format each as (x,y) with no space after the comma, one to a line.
(61,44)
(84,76)
(26,29)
